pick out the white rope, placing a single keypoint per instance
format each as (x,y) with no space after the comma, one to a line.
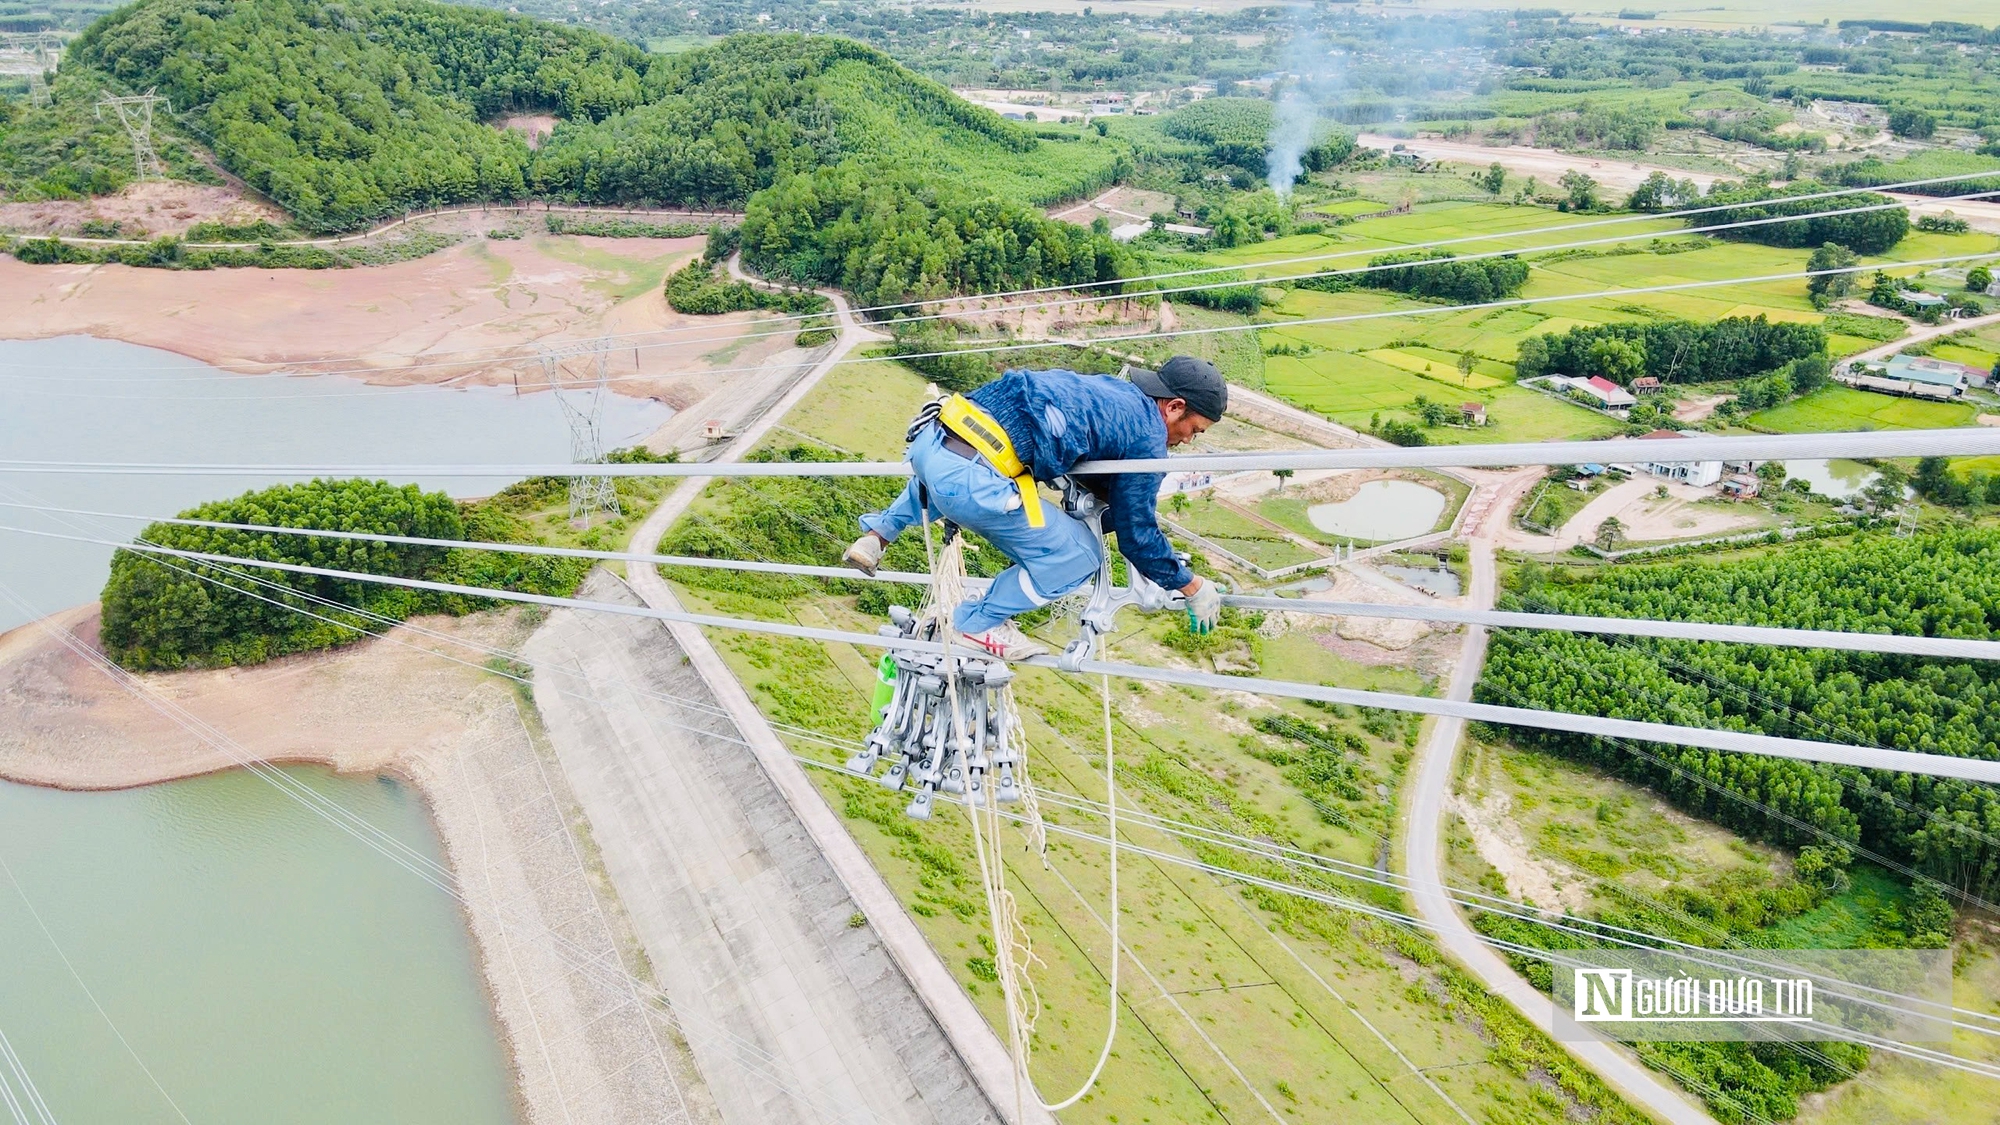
(1469,899)
(1416,923)
(1196,833)
(1111,845)
(500,353)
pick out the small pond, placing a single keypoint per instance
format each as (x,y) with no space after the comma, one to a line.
(1441,582)
(1839,480)
(1381,511)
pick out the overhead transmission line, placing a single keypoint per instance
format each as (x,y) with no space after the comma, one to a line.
(1902,644)
(1732,741)
(811,761)
(994,348)
(498,353)
(1961,441)
(1272,852)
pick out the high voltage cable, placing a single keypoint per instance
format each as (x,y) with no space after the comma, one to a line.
(1732,741)
(497,352)
(1901,644)
(1961,441)
(1274,852)
(1262,849)
(1397,917)
(991,348)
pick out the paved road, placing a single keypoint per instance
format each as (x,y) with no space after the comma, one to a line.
(1925,332)
(1493,500)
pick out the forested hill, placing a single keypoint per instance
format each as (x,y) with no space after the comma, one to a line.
(1940,585)
(347,111)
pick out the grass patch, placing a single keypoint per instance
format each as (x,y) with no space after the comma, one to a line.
(1426,363)
(1844,408)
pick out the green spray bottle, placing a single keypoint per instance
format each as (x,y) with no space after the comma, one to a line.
(885,685)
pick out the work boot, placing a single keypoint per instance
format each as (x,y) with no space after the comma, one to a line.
(865,553)
(1005,640)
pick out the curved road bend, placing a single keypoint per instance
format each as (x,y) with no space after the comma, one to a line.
(975,1041)
(1493,499)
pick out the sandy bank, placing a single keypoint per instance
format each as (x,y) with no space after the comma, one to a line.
(472,313)
(586,1045)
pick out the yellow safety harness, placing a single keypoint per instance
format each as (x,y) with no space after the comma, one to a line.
(963,417)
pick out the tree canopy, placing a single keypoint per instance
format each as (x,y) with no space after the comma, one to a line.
(1869,232)
(164,613)
(889,238)
(1673,350)
(1237,131)
(349,111)
(1939,585)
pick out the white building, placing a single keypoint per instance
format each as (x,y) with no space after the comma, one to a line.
(1700,474)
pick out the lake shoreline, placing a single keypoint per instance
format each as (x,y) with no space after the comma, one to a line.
(65,725)
(472,314)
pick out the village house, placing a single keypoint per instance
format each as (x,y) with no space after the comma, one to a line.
(1700,474)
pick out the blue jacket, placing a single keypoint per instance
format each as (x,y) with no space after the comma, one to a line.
(1058,418)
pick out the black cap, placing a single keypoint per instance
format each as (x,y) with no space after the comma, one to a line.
(1185,376)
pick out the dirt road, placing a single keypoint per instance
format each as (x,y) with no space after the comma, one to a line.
(1495,497)
(586,1045)
(1645,518)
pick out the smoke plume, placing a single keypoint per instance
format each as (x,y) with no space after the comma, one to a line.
(1314,77)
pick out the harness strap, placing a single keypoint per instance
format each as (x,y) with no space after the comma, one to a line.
(978,429)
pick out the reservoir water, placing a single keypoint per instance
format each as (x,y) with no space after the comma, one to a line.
(259,962)
(75,398)
(1381,510)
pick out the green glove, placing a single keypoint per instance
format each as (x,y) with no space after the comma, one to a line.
(1204,607)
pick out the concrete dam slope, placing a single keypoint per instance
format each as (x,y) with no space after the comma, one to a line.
(792,1014)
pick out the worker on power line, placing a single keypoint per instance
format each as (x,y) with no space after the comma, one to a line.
(977,458)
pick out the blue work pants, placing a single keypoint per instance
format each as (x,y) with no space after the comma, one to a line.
(1049,561)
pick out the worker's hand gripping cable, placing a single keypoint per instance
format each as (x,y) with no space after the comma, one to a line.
(1100,613)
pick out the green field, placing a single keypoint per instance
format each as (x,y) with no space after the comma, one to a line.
(1844,408)
(1255,974)
(1967,354)
(1352,355)
(1442,367)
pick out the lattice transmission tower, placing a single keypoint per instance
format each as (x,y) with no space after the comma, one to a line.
(578,373)
(136,114)
(41,52)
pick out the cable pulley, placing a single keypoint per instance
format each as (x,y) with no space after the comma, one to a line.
(945,722)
